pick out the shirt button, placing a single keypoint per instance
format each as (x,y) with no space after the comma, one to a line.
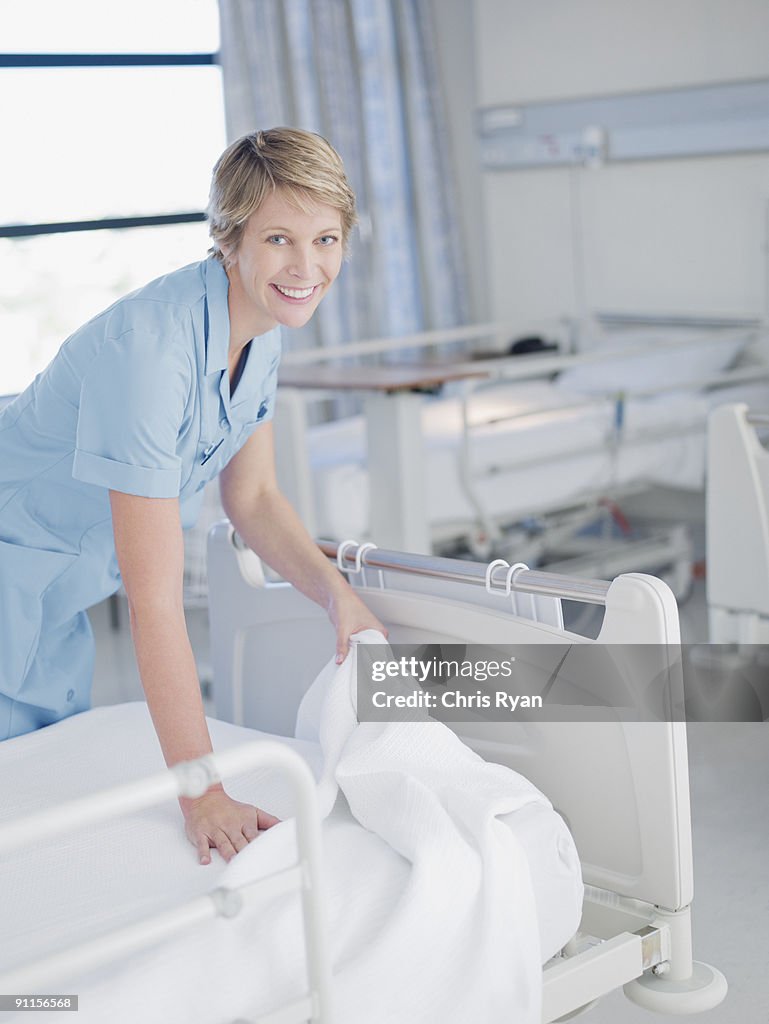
(222,423)
(70,694)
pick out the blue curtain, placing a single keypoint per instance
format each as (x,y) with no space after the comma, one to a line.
(364,74)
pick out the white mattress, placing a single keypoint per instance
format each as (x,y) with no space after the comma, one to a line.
(66,890)
(563,453)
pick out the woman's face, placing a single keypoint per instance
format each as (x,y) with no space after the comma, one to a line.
(285,263)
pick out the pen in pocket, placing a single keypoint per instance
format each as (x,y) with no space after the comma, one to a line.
(210,451)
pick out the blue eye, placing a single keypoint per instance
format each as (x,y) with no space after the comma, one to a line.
(326,240)
(277,239)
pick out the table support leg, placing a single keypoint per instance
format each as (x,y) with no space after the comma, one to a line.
(396,459)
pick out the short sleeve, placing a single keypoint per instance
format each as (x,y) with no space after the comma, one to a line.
(132,404)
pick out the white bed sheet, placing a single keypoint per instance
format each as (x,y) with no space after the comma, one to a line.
(72,887)
(564,453)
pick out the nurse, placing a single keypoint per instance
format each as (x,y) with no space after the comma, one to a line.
(104,457)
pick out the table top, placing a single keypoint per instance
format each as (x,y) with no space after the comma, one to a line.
(406,377)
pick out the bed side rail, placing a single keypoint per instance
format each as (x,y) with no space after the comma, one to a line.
(564,329)
(497,576)
(191,779)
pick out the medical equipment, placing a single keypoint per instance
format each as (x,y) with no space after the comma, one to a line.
(738,526)
(521,462)
(621,787)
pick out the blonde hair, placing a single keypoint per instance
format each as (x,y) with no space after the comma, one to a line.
(301,164)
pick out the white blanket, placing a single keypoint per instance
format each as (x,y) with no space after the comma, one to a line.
(433,916)
(462,942)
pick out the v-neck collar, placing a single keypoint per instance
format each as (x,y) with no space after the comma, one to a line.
(218,334)
(260,350)
(236,376)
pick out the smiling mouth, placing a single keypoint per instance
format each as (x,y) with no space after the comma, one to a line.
(295,294)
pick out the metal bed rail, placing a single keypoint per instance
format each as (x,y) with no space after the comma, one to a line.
(192,779)
(616,434)
(503,364)
(419,340)
(619,319)
(619,397)
(713,382)
(501,332)
(496,576)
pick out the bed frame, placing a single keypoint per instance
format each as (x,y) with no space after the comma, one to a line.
(191,779)
(398,502)
(631,824)
(738,526)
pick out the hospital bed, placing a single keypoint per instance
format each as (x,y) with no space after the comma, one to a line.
(622,788)
(521,461)
(738,526)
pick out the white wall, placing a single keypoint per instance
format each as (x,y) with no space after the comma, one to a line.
(682,236)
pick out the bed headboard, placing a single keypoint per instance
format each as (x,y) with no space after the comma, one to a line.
(622,787)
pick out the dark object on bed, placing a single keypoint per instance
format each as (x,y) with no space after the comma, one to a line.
(531,343)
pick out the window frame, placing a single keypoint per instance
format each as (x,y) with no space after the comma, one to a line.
(104,60)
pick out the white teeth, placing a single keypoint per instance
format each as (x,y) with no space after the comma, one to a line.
(295,293)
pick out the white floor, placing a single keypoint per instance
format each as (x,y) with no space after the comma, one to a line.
(729,772)
(729,779)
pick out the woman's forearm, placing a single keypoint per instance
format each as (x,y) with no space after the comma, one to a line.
(170,680)
(150,550)
(270,526)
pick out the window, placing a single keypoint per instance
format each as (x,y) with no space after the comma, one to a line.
(108,113)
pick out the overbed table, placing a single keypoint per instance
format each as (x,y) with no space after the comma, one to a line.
(392,400)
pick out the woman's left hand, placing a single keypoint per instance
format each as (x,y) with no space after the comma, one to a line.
(350,615)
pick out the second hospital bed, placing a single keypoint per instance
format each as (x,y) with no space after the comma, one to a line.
(540,435)
(621,787)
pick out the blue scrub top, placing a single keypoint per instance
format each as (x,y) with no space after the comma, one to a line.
(138,400)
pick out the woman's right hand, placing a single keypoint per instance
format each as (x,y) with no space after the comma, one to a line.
(216,821)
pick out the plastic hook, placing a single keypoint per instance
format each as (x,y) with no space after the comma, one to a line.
(368,546)
(511,574)
(490,569)
(340,553)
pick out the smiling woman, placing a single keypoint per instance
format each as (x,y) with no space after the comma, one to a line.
(103,459)
(304,165)
(284,263)
(280,212)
